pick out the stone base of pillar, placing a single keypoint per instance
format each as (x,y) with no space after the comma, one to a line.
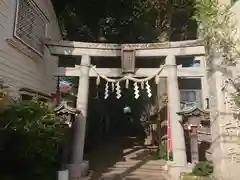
(148,141)
(226,171)
(226,159)
(63,175)
(175,170)
(78,171)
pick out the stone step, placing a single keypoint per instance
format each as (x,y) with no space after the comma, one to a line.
(144,177)
(152,162)
(143,168)
(148,165)
(134,176)
(137,170)
(135,153)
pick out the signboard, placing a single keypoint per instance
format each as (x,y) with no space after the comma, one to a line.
(128,61)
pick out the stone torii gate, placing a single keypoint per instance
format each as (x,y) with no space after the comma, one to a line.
(170,50)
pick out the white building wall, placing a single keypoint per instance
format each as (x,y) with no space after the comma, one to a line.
(17,69)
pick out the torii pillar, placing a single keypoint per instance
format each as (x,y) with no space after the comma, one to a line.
(78,167)
(177,133)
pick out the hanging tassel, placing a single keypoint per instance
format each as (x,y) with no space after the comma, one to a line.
(127,84)
(113,86)
(142,85)
(157,79)
(98,81)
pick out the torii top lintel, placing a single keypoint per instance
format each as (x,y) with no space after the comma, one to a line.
(73,48)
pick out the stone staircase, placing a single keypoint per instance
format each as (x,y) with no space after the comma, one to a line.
(126,158)
(137,170)
(138,165)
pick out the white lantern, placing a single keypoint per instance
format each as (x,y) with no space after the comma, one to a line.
(126,110)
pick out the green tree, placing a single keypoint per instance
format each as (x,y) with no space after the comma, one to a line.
(218,29)
(126,20)
(31,141)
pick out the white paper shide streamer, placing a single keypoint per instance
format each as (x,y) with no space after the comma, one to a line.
(118,91)
(148,88)
(136,90)
(106,93)
(138,83)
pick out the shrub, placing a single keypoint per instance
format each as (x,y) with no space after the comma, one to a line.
(203,168)
(31,138)
(190,176)
(163,152)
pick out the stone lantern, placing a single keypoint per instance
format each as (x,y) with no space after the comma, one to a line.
(69,114)
(196,125)
(68,170)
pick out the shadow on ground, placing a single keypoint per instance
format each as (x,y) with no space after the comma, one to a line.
(117,158)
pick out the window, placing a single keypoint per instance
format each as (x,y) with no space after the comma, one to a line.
(191,96)
(30,25)
(188,96)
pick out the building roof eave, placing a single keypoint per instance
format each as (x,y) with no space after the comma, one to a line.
(192,110)
(64,108)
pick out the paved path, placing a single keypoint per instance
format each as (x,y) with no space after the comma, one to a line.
(126,159)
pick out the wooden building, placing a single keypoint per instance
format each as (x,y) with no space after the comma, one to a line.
(26,65)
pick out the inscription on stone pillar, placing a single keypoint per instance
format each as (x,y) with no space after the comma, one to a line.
(128,60)
(234,154)
(231,128)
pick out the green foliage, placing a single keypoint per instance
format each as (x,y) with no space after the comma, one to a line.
(163,152)
(217,28)
(201,171)
(31,139)
(190,176)
(204,168)
(125,20)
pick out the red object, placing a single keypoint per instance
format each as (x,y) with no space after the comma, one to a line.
(58,98)
(169,134)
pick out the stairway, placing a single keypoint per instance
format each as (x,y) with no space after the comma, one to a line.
(137,164)
(137,170)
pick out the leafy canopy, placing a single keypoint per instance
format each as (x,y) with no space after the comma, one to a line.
(218,29)
(126,20)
